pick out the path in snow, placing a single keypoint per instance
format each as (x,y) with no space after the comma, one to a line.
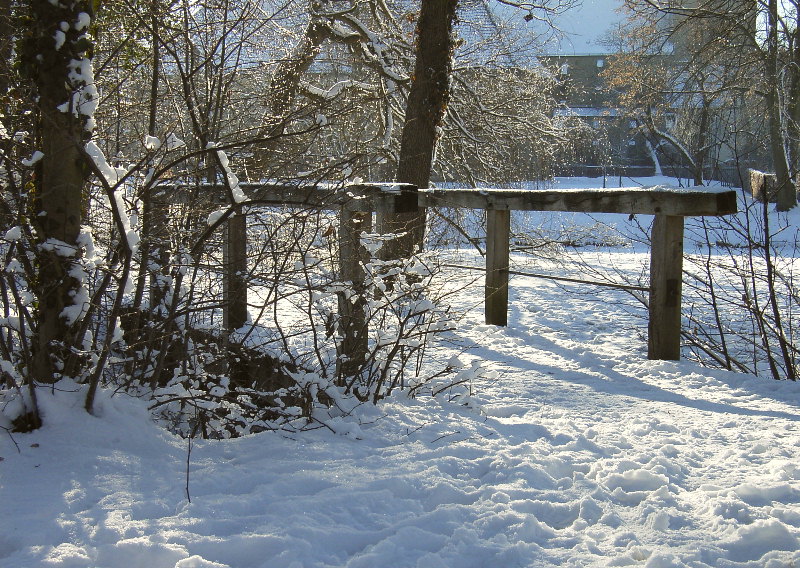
(578,452)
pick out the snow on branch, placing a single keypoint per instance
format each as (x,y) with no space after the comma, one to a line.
(335,90)
(231,179)
(374,48)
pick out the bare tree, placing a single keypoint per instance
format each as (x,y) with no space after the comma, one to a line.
(724,54)
(427,102)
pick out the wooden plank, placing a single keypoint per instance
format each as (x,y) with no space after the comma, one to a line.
(390,198)
(353,326)
(666,276)
(386,197)
(646,201)
(234,278)
(498,233)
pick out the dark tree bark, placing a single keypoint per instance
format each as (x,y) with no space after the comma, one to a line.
(786,191)
(6,46)
(792,70)
(425,110)
(701,152)
(56,60)
(6,52)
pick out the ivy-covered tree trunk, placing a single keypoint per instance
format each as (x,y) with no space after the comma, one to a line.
(55,57)
(425,110)
(284,88)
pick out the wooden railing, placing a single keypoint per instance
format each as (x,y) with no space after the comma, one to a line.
(357,203)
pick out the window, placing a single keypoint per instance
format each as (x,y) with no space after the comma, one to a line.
(601,62)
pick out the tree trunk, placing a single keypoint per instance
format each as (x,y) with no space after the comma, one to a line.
(6,53)
(284,88)
(6,47)
(154,245)
(786,191)
(701,151)
(425,110)
(793,103)
(65,104)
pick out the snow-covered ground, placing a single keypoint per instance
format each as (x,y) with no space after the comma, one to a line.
(572,449)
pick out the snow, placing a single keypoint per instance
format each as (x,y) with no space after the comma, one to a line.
(572,450)
(151,143)
(85,97)
(215,216)
(173,142)
(60,38)
(83,21)
(111,174)
(13,234)
(233,181)
(579,453)
(35,157)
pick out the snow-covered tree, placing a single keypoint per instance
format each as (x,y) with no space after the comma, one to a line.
(55,55)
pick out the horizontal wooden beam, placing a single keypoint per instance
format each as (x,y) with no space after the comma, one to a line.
(391,198)
(647,201)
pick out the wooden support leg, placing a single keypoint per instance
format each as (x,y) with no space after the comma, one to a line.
(498,233)
(234,279)
(666,276)
(159,248)
(353,309)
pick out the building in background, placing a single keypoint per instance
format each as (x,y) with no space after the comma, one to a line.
(577,55)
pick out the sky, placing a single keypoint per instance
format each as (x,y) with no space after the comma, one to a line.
(582,26)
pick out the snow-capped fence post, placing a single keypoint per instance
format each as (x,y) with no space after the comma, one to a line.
(498,235)
(666,277)
(353,303)
(763,186)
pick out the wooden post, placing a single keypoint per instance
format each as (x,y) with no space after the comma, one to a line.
(498,233)
(159,247)
(234,283)
(353,310)
(666,276)
(763,186)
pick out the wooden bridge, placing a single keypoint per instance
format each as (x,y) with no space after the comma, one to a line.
(357,203)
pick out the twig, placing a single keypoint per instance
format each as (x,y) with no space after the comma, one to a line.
(189,454)
(188,461)
(12,438)
(409,431)
(558,278)
(445,436)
